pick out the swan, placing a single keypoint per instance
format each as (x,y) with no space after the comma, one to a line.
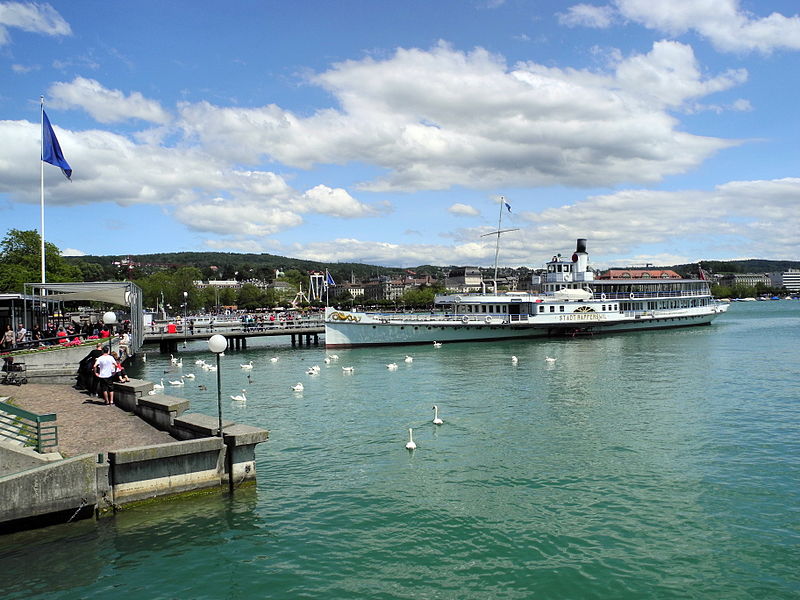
(436,419)
(410,445)
(274,359)
(189,375)
(240,398)
(179,363)
(334,356)
(348,369)
(159,386)
(409,359)
(437,344)
(172,359)
(298,387)
(144,357)
(313,370)
(248,366)
(392,366)
(514,360)
(179,382)
(199,361)
(327,360)
(550,360)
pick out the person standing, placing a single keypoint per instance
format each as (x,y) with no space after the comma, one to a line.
(104,368)
(8,338)
(21,334)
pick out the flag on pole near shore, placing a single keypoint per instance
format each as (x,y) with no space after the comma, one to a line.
(51,150)
(328,278)
(508,206)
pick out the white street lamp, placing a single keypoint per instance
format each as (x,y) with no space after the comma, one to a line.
(218,344)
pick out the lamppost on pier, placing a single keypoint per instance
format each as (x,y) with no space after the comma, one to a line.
(185,320)
(218,344)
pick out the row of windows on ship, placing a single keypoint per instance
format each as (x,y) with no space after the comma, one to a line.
(502,309)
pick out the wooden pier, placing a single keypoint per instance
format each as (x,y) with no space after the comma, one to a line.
(237,336)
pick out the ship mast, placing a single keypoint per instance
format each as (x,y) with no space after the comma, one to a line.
(497,233)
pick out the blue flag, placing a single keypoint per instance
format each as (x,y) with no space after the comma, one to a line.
(508,206)
(51,151)
(328,279)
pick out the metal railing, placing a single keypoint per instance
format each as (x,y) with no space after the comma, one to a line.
(30,429)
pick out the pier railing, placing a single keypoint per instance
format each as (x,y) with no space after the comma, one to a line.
(27,428)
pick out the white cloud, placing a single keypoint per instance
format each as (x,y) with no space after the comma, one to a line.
(723,22)
(105,105)
(237,218)
(72,252)
(335,202)
(463,210)
(22,69)
(438,118)
(32,17)
(587,15)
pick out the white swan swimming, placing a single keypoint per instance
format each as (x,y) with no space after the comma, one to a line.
(333,356)
(173,360)
(248,366)
(179,363)
(514,360)
(437,344)
(313,370)
(199,361)
(179,382)
(274,359)
(144,357)
(240,397)
(410,445)
(348,369)
(327,360)
(159,386)
(392,366)
(436,419)
(409,359)
(298,387)
(189,375)
(550,360)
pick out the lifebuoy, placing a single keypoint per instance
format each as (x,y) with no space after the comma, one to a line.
(632,296)
(602,296)
(488,319)
(465,319)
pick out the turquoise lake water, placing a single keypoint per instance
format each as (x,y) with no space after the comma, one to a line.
(658,464)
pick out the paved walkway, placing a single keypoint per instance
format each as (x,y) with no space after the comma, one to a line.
(85,424)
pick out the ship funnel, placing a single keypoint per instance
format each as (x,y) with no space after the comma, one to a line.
(581,245)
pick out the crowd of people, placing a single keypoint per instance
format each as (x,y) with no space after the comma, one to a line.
(54,334)
(98,371)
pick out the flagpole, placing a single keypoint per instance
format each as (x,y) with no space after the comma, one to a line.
(497,248)
(41,180)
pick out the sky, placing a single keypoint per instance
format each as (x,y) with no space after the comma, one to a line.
(388,132)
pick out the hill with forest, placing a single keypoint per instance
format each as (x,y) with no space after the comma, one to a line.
(231,265)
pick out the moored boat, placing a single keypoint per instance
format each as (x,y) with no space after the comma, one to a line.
(571,302)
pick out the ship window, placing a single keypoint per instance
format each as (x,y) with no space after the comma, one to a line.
(483,308)
(552,309)
(560,309)
(541,309)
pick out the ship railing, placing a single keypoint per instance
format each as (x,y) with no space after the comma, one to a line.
(649,295)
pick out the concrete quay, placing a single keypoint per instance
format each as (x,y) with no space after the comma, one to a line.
(142,448)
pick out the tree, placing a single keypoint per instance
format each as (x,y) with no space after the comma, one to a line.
(20,262)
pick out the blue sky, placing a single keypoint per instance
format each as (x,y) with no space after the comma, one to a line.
(385,132)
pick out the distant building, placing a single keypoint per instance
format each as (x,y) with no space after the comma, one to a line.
(791,280)
(466,279)
(748,279)
(220,283)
